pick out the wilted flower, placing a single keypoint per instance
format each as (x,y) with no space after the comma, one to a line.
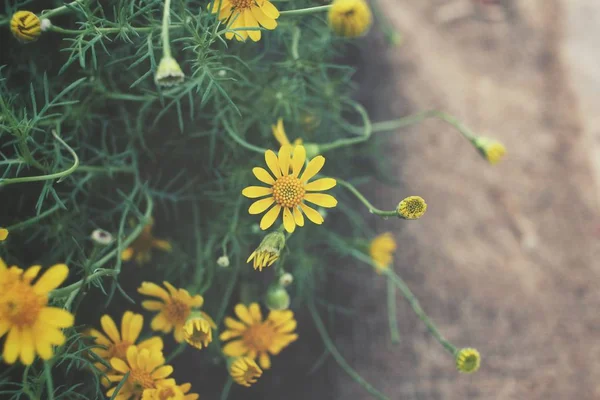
(268,250)
(169,72)
(245,371)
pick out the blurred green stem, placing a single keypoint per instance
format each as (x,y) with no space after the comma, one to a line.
(165,29)
(392,315)
(305,11)
(363,199)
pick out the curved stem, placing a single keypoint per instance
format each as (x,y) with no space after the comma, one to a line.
(365,131)
(363,199)
(165,29)
(60,10)
(33,220)
(57,175)
(295,41)
(305,11)
(241,141)
(338,357)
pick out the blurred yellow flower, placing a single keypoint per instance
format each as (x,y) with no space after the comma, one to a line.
(492,150)
(412,207)
(30,325)
(350,18)
(197,330)
(25,26)
(245,371)
(3,234)
(468,360)
(246,14)
(142,246)
(169,390)
(382,251)
(254,337)
(281,136)
(289,189)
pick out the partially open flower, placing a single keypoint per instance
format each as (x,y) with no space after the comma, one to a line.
(245,371)
(169,72)
(468,360)
(197,330)
(101,237)
(268,250)
(492,150)
(277,298)
(350,18)
(412,207)
(25,26)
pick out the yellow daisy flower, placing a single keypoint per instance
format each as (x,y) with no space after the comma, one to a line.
(350,18)
(116,343)
(255,337)
(468,360)
(246,14)
(281,136)
(412,207)
(197,330)
(142,246)
(382,251)
(30,325)
(245,371)
(169,390)
(175,307)
(3,234)
(289,189)
(25,26)
(146,371)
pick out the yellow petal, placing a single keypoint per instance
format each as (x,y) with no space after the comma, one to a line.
(278,130)
(268,23)
(312,214)
(12,346)
(285,159)
(273,163)
(261,205)
(268,8)
(321,199)
(320,184)
(235,349)
(160,323)
(253,192)
(132,356)
(44,348)
(32,272)
(152,289)
(262,175)
(264,360)
(255,312)
(269,218)
(162,244)
(110,328)
(135,328)
(56,317)
(2,265)
(27,346)
(51,279)
(288,220)
(162,372)
(153,305)
(119,365)
(250,22)
(154,344)
(229,335)
(313,168)
(298,159)
(298,217)
(234,324)
(3,234)
(243,314)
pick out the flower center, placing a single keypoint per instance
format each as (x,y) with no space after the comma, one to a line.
(242,4)
(141,380)
(177,312)
(259,337)
(288,191)
(251,373)
(118,350)
(20,305)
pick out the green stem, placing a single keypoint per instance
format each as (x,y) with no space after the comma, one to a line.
(33,220)
(58,29)
(392,316)
(338,357)
(63,292)
(49,382)
(241,141)
(363,199)
(165,29)
(305,11)
(414,303)
(226,389)
(57,175)
(365,132)
(60,10)
(295,41)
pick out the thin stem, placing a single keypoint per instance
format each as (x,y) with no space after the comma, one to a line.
(305,11)
(49,382)
(33,220)
(58,29)
(295,41)
(226,389)
(363,199)
(60,10)
(365,132)
(392,316)
(57,175)
(241,141)
(414,303)
(338,357)
(63,292)
(165,29)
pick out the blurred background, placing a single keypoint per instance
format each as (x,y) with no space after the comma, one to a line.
(506,258)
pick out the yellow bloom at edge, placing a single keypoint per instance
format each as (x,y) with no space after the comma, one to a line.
(382,251)
(146,371)
(468,360)
(30,325)
(281,136)
(245,371)
(116,343)
(142,246)
(254,337)
(288,190)
(197,330)
(175,307)
(169,390)
(3,234)
(246,14)
(350,18)
(25,26)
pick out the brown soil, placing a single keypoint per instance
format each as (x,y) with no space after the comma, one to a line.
(505,258)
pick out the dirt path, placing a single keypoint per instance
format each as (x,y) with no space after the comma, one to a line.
(506,258)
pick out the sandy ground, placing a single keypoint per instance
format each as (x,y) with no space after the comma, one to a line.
(506,258)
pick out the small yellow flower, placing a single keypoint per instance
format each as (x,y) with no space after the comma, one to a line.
(268,250)
(175,307)
(31,326)
(281,136)
(169,390)
(255,337)
(116,343)
(492,150)
(142,246)
(289,190)
(3,234)
(382,251)
(25,26)
(468,360)
(412,207)
(350,18)
(169,72)
(197,330)
(246,14)
(245,371)
(146,371)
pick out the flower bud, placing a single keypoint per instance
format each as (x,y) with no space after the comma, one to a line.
(412,207)
(223,261)
(3,234)
(244,371)
(350,18)
(286,279)
(268,250)
(277,298)
(101,237)
(25,26)
(169,72)
(45,24)
(197,330)
(468,360)
(492,150)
